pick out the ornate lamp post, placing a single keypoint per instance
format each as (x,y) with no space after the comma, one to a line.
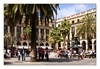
(76,44)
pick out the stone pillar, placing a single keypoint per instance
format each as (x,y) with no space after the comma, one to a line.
(61,44)
(85,35)
(86,45)
(80,42)
(80,37)
(56,46)
(93,46)
(15,31)
(75,32)
(39,36)
(45,35)
(21,31)
(8,29)
(70,38)
(50,45)
(66,46)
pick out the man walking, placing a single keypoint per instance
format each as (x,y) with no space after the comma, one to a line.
(23,54)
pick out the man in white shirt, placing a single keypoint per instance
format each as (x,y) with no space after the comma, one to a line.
(90,53)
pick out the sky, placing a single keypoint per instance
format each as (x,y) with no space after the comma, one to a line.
(70,9)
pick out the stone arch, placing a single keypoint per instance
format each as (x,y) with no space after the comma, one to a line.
(84,45)
(59,44)
(36,44)
(52,45)
(95,45)
(90,44)
(24,44)
(68,44)
(18,43)
(41,44)
(30,44)
(47,44)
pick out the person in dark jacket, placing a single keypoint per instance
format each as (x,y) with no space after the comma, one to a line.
(47,54)
(23,54)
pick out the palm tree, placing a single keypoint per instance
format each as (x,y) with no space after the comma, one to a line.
(56,5)
(55,36)
(32,11)
(65,29)
(27,32)
(7,39)
(88,28)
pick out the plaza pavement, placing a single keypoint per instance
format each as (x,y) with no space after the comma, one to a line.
(53,61)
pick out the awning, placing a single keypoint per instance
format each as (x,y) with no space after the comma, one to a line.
(25,47)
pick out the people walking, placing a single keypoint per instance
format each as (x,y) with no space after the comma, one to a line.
(23,54)
(39,51)
(93,54)
(74,52)
(47,54)
(19,54)
(79,53)
(90,51)
(42,54)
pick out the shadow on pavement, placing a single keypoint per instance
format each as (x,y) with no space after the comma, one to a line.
(58,60)
(7,63)
(63,60)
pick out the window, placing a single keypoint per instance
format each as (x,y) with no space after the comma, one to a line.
(46,38)
(58,25)
(68,36)
(52,25)
(18,35)
(5,27)
(73,29)
(72,21)
(77,20)
(72,36)
(18,29)
(42,31)
(11,29)
(47,31)
(37,31)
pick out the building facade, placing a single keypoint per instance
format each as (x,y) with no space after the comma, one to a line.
(76,20)
(42,32)
(19,38)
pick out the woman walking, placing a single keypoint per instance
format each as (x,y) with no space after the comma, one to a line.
(19,55)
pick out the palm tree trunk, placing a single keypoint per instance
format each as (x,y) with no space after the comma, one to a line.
(33,38)
(64,43)
(27,41)
(55,47)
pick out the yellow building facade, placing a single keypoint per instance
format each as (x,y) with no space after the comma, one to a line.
(76,20)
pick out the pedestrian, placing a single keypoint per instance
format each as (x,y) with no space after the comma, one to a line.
(23,54)
(74,52)
(39,51)
(5,54)
(90,55)
(79,53)
(66,54)
(93,54)
(47,54)
(42,54)
(19,55)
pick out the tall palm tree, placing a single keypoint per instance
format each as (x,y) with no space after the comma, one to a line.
(13,14)
(7,39)
(88,28)
(32,11)
(27,32)
(65,29)
(55,36)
